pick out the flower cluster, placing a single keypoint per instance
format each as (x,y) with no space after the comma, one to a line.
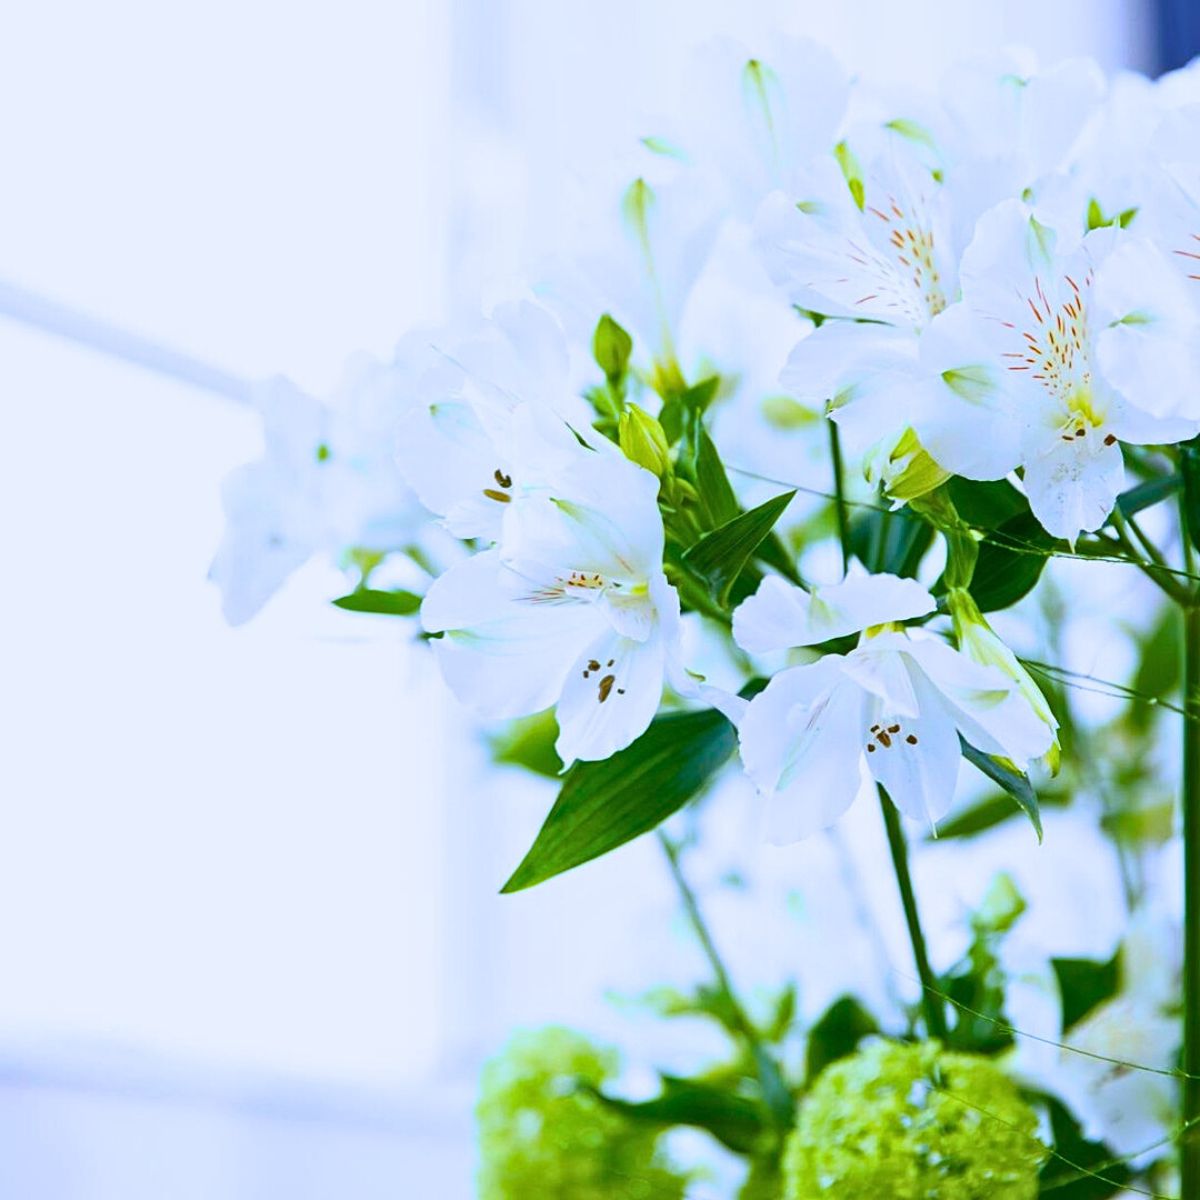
(831,378)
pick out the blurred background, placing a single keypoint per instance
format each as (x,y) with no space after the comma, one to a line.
(250,941)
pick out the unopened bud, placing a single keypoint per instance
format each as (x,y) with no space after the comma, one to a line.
(643,441)
(905,468)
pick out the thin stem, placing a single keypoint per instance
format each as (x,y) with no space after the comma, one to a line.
(1162,574)
(931,1003)
(839,492)
(1190,799)
(775,1091)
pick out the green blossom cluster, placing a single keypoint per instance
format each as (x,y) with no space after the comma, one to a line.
(913,1122)
(543,1133)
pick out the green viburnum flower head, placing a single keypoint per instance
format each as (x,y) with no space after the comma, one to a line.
(543,1133)
(913,1122)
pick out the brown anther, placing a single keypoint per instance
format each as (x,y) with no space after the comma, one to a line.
(885,739)
(911,739)
(870,747)
(1110,439)
(492,494)
(610,662)
(893,729)
(505,481)
(1080,432)
(606,686)
(620,691)
(593,665)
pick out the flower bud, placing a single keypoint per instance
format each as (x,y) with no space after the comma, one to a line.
(904,467)
(643,441)
(978,641)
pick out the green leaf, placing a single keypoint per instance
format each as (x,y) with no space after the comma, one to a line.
(836,1034)
(1085,984)
(1063,1181)
(718,557)
(681,408)
(989,813)
(736,1121)
(611,348)
(1011,561)
(1013,782)
(529,742)
(986,504)
(894,542)
(784,1016)
(603,805)
(1149,493)
(1160,668)
(718,503)
(397,603)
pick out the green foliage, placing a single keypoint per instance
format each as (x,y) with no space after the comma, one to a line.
(544,1132)
(1011,560)
(603,805)
(719,557)
(683,407)
(992,811)
(611,348)
(1189,468)
(529,742)
(1147,494)
(1012,781)
(836,1034)
(1064,1181)
(1085,984)
(986,504)
(396,603)
(1160,667)
(909,1122)
(738,1122)
(890,541)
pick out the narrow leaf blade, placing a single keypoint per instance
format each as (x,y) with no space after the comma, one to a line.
(719,557)
(1014,783)
(603,805)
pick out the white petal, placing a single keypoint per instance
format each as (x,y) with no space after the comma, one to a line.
(801,743)
(780,615)
(987,706)
(610,696)
(1148,342)
(878,665)
(1072,485)
(916,757)
(502,655)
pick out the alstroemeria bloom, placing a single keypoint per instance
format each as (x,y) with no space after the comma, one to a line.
(896,704)
(1056,354)
(325,483)
(483,404)
(571,609)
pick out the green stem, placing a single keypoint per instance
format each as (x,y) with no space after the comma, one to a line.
(839,491)
(775,1092)
(1161,574)
(931,1000)
(1190,799)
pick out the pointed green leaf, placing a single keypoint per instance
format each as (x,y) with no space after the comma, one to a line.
(398,603)
(990,812)
(719,557)
(717,500)
(603,805)
(836,1034)
(1149,493)
(1084,985)
(1011,560)
(1013,782)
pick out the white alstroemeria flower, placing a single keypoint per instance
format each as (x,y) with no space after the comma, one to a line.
(460,443)
(570,609)
(326,483)
(1057,353)
(877,249)
(1170,215)
(896,704)
(645,257)
(753,123)
(1133,1111)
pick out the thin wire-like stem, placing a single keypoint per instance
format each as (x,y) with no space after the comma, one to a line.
(1190,800)
(931,1005)
(775,1092)
(1159,572)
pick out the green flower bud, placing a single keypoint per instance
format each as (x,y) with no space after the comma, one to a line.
(978,641)
(544,1133)
(904,467)
(643,441)
(913,1122)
